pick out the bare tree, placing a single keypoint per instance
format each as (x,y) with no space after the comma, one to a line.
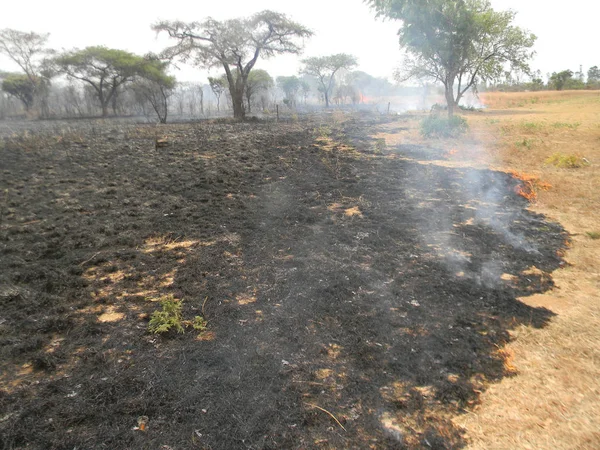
(218,86)
(235,45)
(325,68)
(29,52)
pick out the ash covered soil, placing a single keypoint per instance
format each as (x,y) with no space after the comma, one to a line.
(354,298)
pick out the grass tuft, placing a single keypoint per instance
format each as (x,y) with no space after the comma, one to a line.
(441,126)
(567,161)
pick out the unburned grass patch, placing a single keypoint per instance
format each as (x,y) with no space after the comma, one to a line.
(440,126)
(563,161)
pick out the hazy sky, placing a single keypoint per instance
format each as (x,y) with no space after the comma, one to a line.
(567,32)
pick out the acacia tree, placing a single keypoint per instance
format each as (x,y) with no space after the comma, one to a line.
(29,52)
(457,42)
(560,79)
(593,76)
(324,69)
(235,45)
(258,81)
(20,86)
(218,85)
(290,87)
(154,86)
(104,69)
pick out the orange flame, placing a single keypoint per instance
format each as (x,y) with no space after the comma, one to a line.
(530,185)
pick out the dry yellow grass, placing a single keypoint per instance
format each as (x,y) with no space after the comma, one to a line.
(554,402)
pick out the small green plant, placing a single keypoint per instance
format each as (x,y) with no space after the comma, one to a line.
(199,323)
(528,143)
(532,126)
(169,317)
(468,108)
(567,161)
(593,234)
(380,146)
(324,131)
(436,125)
(569,126)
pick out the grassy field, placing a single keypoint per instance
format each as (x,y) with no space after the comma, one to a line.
(552,139)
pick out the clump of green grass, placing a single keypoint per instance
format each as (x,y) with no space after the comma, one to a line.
(436,125)
(593,234)
(567,161)
(567,125)
(170,317)
(527,143)
(469,108)
(533,126)
(379,146)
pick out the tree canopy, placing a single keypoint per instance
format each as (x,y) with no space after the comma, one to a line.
(558,80)
(106,69)
(235,45)
(258,81)
(28,50)
(457,42)
(154,86)
(21,87)
(324,69)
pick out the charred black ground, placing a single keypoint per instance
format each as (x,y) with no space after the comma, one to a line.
(334,278)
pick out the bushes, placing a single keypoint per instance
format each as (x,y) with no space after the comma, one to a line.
(437,125)
(170,317)
(567,161)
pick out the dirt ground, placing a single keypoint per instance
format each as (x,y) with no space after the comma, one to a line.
(356,295)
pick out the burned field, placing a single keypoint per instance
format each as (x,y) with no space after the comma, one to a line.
(354,298)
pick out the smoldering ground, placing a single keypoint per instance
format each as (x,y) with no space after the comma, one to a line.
(335,316)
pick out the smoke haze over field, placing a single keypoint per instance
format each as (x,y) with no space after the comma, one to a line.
(340,26)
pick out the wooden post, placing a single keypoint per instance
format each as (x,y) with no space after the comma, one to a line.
(277,106)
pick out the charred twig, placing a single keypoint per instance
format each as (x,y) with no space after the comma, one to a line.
(328,413)
(204,303)
(88,260)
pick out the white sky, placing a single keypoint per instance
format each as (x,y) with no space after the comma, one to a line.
(567,32)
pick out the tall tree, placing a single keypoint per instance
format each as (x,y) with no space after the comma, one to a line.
(20,86)
(593,75)
(235,45)
(218,85)
(154,86)
(29,52)
(290,87)
(324,69)
(559,80)
(104,69)
(457,42)
(258,81)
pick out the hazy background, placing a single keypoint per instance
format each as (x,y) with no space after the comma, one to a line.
(567,32)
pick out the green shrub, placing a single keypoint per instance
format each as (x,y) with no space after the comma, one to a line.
(199,323)
(380,146)
(570,126)
(525,143)
(168,317)
(567,161)
(442,126)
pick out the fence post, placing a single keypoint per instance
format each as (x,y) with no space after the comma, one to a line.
(277,107)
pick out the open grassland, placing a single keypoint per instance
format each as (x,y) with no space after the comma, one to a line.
(553,139)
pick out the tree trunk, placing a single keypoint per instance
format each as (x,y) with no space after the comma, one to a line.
(239,112)
(105,109)
(326,100)
(450,100)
